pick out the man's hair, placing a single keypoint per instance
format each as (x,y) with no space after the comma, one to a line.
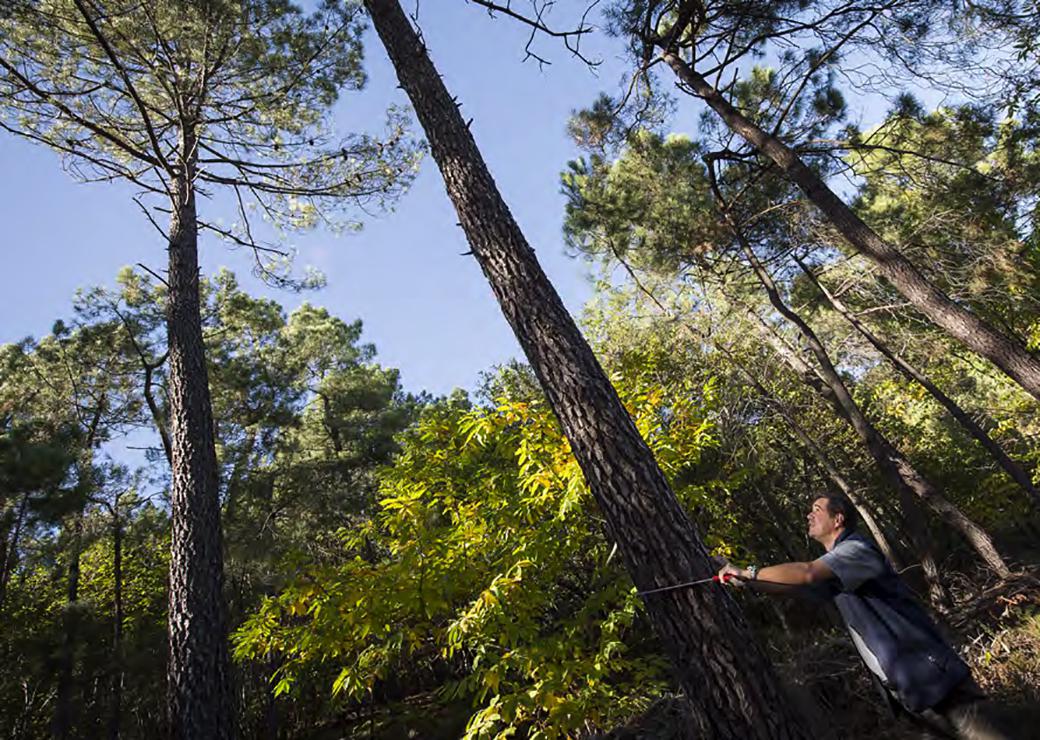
(839,504)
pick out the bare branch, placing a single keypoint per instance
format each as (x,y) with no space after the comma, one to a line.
(153,273)
(571,38)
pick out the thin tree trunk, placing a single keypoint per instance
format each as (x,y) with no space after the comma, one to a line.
(893,463)
(63,714)
(732,688)
(115,722)
(330,425)
(958,322)
(920,542)
(831,470)
(777,520)
(238,472)
(8,523)
(198,674)
(907,502)
(833,473)
(11,549)
(1012,468)
(149,397)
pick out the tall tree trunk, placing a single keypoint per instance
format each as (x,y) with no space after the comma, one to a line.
(198,674)
(958,322)
(1012,468)
(115,721)
(732,688)
(893,463)
(63,713)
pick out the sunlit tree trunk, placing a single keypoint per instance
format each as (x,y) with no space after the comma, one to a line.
(832,472)
(899,470)
(732,688)
(198,673)
(908,505)
(958,322)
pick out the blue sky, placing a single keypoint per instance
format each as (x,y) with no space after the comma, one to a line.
(429,310)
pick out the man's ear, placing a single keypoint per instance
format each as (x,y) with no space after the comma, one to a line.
(839,519)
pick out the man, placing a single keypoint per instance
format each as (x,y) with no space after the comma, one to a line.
(897,640)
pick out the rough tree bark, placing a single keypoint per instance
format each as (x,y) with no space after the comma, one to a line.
(199,695)
(960,323)
(1012,468)
(732,689)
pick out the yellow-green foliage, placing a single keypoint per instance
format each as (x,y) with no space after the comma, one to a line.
(492,564)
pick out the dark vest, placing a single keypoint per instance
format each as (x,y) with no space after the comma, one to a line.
(919,665)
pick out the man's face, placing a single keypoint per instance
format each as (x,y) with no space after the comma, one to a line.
(821,523)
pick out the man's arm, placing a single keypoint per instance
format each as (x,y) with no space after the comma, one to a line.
(779,578)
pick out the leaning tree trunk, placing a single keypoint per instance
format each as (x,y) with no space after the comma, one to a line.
(198,675)
(919,539)
(896,467)
(1012,468)
(732,689)
(847,489)
(958,322)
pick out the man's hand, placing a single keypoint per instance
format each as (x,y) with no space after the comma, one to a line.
(736,576)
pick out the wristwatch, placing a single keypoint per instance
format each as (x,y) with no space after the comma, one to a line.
(753,571)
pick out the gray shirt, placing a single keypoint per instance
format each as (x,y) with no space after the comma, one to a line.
(854,561)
